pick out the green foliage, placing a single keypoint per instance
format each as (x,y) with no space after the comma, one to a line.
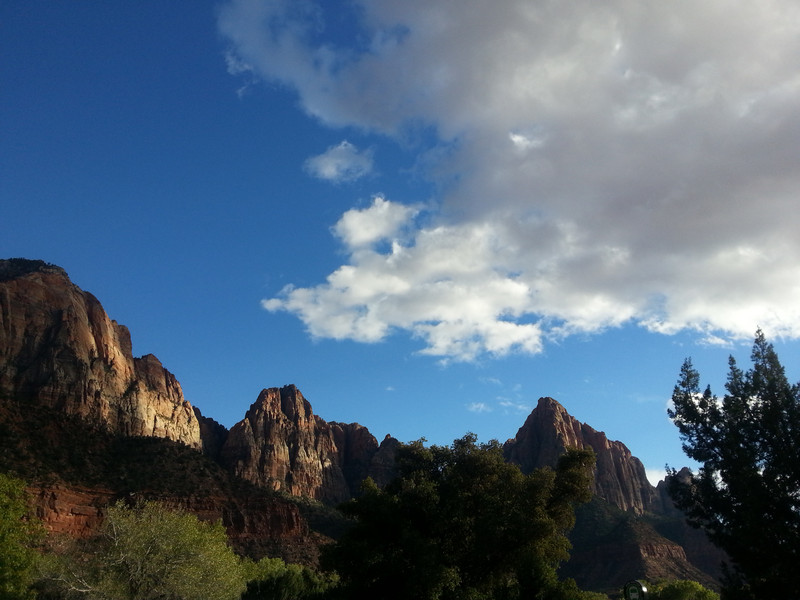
(680,590)
(459,522)
(273,579)
(19,533)
(746,495)
(150,552)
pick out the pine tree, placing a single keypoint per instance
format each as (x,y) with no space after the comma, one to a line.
(746,494)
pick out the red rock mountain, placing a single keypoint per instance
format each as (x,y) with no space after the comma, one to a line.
(619,477)
(87,423)
(616,537)
(58,348)
(282,445)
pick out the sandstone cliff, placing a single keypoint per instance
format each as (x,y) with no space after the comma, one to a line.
(610,548)
(76,470)
(619,477)
(58,348)
(282,445)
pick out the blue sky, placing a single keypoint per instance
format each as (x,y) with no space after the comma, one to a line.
(424,217)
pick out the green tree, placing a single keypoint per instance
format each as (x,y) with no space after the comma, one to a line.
(150,552)
(459,522)
(746,495)
(680,590)
(273,579)
(19,534)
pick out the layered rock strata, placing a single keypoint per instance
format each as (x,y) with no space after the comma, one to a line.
(59,348)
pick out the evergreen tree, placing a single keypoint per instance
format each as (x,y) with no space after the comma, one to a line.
(461,523)
(746,495)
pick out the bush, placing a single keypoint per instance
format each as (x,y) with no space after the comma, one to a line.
(681,590)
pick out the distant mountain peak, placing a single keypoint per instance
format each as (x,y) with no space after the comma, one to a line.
(549,430)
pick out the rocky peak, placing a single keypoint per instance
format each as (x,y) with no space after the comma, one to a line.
(59,348)
(549,430)
(281,444)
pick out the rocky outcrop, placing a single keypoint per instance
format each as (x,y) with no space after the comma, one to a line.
(695,543)
(73,511)
(630,530)
(355,447)
(257,525)
(619,477)
(382,464)
(610,547)
(213,435)
(282,445)
(59,348)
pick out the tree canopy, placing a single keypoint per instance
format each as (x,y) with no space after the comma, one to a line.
(151,552)
(19,532)
(746,494)
(680,589)
(459,522)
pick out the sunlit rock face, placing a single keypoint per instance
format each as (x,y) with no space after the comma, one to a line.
(59,348)
(619,477)
(283,445)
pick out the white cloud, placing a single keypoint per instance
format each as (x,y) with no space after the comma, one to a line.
(441,287)
(654,476)
(382,221)
(340,163)
(606,163)
(515,406)
(479,407)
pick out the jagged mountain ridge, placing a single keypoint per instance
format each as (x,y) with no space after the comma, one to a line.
(60,351)
(281,444)
(619,477)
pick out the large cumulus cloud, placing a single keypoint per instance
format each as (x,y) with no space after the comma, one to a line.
(600,163)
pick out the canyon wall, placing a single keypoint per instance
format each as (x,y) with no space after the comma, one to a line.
(282,445)
(58,348)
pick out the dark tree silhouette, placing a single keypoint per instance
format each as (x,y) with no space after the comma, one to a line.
(746,494)
(459,522)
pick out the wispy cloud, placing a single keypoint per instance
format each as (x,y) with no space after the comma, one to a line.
(479,407)
(604,165)
(512,406)
(341,163)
